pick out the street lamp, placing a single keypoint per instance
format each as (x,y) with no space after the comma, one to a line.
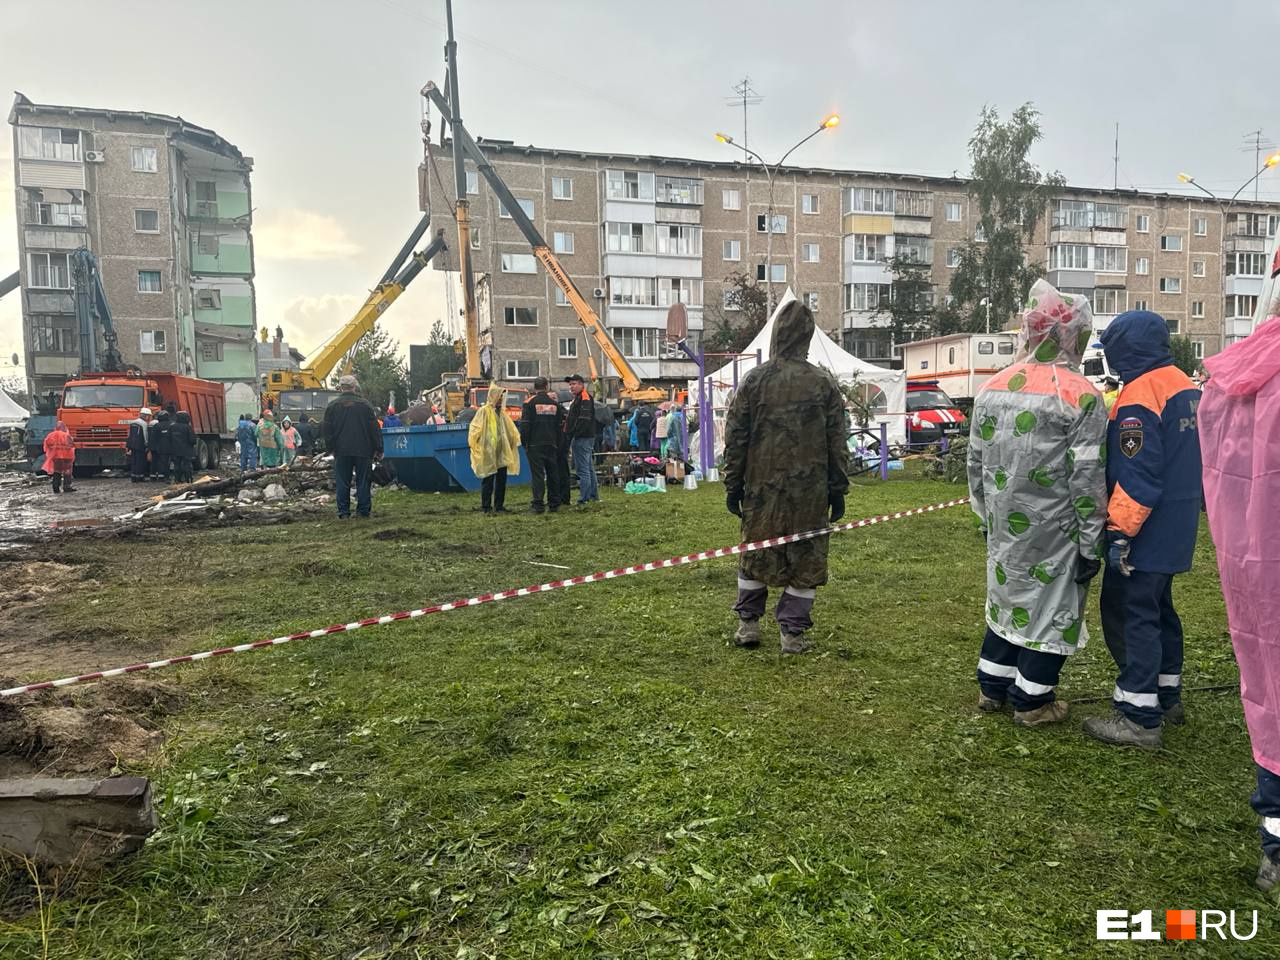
(829,121)
(986,302)
(1267,164)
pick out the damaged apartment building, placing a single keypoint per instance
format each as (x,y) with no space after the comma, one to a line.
(165,207)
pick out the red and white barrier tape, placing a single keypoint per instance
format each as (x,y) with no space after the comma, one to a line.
(483,598)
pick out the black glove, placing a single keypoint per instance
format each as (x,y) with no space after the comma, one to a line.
(1086,569)
(734,502)
(836,502)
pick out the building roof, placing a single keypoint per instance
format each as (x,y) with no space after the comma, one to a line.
(202,136)
(500,147)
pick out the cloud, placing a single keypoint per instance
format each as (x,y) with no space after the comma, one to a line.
(300,235)
(308,321)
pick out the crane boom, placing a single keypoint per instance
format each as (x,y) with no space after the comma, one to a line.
(92,311)
(587,317)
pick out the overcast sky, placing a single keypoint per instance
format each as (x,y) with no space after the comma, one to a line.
(324,95)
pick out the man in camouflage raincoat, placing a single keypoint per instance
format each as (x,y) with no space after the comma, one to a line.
(786,470)
(1037,480)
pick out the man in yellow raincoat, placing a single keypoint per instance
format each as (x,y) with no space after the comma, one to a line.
(495,450)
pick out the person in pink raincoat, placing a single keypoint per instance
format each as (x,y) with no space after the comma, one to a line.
(1239,419)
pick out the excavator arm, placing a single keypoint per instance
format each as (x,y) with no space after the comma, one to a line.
(631,384)
(92,311)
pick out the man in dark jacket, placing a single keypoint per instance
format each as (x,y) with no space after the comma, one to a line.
(643,417)
(161,448)
(182,445)
(352,435)
(786,470)
(136,444)
(541,425)
(308,431)
(1153,515)
(580,425)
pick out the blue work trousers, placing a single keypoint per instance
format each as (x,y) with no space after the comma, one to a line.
(1024,677)
(1144,635)
(343,467)
(248,457)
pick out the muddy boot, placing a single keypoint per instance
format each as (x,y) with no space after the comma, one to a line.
(1119,730)
(57,483)
(795,642)
(748,634)
(66,485)
(1268,874)
(989,704)
(1055,711)
(1176,714)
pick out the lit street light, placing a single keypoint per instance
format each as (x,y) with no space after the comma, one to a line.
(831,120)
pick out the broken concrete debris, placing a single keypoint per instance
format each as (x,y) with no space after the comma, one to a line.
(83,822)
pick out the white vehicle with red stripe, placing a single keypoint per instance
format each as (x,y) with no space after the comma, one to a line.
(932,414)
(960,363)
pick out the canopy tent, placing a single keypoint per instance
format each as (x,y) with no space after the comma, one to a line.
(11,413)
(886,389)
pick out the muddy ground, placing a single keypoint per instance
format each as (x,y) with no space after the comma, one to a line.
(29,505)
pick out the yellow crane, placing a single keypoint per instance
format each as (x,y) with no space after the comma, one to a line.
(305,390)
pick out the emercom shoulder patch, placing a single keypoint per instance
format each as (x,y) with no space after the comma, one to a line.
(1130,436)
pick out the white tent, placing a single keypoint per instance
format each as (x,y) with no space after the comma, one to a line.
(11,414)
(889,395)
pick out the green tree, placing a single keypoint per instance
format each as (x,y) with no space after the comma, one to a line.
(377,364)
(743,313)
(436,358)
(908,313)
(1184,355)
(1010,193)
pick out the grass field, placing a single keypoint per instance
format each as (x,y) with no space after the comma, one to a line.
(599,773)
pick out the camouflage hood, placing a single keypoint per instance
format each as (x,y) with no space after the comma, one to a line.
(792,333)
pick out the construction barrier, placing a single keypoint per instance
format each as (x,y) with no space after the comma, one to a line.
(485,598)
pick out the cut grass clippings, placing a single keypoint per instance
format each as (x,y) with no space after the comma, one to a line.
(598,772)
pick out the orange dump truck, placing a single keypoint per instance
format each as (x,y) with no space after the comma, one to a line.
(97,408)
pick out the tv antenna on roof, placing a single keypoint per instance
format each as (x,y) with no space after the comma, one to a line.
(1255,141)
(744,96)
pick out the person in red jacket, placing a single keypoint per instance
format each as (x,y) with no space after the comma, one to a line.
(60,458)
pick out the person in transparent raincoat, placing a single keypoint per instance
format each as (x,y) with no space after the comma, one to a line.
(1037,481)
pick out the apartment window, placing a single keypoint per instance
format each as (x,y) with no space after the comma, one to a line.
(1069,256)
(144,160)
(779,223)
(638,342)
(1200,226)
(1087,213)
(911,249)
(779,271)
(1197,349)
(869,247)
(563,242)
(520,316)
(560,298)
(149,282)
(867,296)
(730,299)
(522,369)
(1197,309)
(684,190)
(1114,215)
(633,291)
(146,221)
(1142,266)
(679,241)
(809,252)
(53,335)
(1108,301)
(211,350)
(208,300)
(475,237)
(731,199)
(525,204)
(151,341)
(630,237)
(568,348)
(733,250)
(811,301)
(620,185)
(1170,284)
(206,193)
(1246,264)
(1174,324)
(1250,225)
(48,271)
(473,182)
(1197,268)
(208,245)
(952,212)
(1139,304)
(672,290)
(809,203)
(979,233)
(1242,305)
(1170,242)
(48,143)
(953,256)
(1110,259)
(871,200)
(518,263)
(561,188)
(63,208)
(913,203)
(1142,223)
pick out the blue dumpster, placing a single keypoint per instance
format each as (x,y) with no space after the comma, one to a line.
(431,458)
